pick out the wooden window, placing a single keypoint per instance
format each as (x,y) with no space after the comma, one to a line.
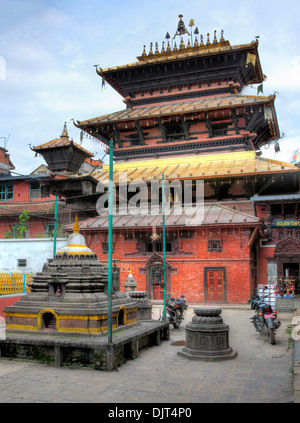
(186,234)
(105,247)
(158,247)
(174,131)
(6,192)
(34,190)
(214,245)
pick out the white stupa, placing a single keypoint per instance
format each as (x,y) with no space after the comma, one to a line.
(75,242)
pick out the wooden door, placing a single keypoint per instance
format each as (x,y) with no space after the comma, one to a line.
(157,284)
(215,286)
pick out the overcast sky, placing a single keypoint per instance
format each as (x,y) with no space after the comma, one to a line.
(48,49)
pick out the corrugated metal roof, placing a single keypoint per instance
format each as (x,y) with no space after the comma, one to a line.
(213,214)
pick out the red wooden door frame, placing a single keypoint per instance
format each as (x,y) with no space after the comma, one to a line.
(215,284)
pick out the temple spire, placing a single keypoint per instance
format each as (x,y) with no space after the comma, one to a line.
(65,131)
(76,226)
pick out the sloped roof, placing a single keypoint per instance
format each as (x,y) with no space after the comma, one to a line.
(196,167)
(60,142)
(202,104)
(188,53)
(213,215)
(63,141)
(34,207)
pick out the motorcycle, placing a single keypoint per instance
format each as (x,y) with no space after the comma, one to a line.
(265,318)
(175,311)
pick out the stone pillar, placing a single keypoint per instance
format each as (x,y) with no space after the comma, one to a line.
(207,337)
(143,304)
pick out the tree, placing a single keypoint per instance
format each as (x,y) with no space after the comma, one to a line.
(20,229)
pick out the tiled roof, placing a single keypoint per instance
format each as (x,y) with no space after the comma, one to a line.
(202,104)
(34,207)
(196,167)
(60,142)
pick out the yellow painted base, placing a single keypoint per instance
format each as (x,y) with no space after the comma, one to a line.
(59,318)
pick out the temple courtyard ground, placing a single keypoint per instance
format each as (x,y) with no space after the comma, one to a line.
(261,373)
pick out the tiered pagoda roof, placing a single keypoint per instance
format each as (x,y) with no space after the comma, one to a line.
(63,154)
(186,100)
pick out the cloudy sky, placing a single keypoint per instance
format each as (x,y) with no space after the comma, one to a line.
(48,49)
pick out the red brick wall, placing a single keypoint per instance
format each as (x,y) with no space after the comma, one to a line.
(188,275)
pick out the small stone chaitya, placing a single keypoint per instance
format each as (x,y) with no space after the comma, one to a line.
(70,295)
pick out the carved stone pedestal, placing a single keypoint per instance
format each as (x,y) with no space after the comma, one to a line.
(207,337)
(143,305)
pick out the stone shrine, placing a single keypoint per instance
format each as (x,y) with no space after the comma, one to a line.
(207,337)
(70,295)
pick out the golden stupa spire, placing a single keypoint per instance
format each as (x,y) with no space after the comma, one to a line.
(76,226)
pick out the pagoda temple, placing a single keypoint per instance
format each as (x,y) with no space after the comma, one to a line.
(187,118)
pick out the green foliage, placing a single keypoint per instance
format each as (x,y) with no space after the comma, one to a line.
(20,229)
(59,232)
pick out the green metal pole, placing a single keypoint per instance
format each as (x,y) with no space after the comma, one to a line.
(110,240)
(55,225)
(164,243)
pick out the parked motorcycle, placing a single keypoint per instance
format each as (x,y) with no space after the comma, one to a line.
(175,310)
(265,318)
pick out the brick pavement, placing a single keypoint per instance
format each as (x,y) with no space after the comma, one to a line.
(261,373)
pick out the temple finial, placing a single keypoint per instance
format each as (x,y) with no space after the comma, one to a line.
(151,51)
(76,226)
(222,36)
(65,131)
(215,37)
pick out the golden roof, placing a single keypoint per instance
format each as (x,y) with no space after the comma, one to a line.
(196,167)
(188,52)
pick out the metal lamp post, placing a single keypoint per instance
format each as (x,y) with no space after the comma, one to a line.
(164,243)
(55,226)
(110,240)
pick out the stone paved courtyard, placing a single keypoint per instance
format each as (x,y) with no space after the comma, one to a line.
(260,373)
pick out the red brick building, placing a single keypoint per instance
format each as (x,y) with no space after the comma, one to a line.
(187,119)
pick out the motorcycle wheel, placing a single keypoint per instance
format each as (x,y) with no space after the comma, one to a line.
(177,321)
(271,334)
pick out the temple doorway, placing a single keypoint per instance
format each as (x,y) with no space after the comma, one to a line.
(155,277)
